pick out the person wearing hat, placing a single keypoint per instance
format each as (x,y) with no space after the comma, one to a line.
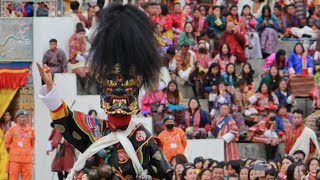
(173,139)
(19,142)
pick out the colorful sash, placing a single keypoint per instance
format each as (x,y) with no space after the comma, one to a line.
(221,125)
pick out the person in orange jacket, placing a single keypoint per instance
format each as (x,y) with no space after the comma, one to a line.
(173,139)
(19,142)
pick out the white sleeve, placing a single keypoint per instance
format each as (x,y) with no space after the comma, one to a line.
(267,133)
(173,65)
(51,99)
(228,137)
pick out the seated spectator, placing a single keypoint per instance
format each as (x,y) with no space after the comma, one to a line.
(211,82)
(217,172)
(198,164)
(247,74)
(224,57)
(203,11)
(200,68)
(284,95)
(247,24)
(313,166)
(224,127)
(252,174)
(230,75)
(292,20)
(153,101)
(279,59)
(171,62)
(188,36)
(74,5)
(300,62)
(217,24)
(178,169)
(203,57)
(264,132)
(90,15)
(55,58)
(265,99)
(173,139)
(316,97)
(272,78)
(236,41)
(25,8)
(285,163)
(163,41)
(244,173)
(174,101)
(267,28)
(233,16)
(299,156)
(271,174)
(189,173)
(241,102)
(43,10)
(205,174)
(165,20)
(200,25)
(77,52)
(281,17)
(233,167)
(294,172)
(185,59)
(177,26)
(313,20)
(223,97)
(196,121)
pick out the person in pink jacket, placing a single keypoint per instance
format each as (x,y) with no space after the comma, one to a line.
(278,59)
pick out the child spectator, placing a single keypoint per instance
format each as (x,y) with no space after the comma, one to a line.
(198,164)
(223,97)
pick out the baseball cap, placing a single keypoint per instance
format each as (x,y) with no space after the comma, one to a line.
(22,112)
(168,117)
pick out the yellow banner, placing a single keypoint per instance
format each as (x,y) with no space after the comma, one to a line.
(6,96)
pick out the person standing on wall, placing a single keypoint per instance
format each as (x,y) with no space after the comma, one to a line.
(19,142)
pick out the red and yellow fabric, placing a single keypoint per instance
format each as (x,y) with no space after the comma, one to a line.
(14,75)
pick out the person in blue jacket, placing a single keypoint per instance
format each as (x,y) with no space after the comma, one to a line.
(300,62)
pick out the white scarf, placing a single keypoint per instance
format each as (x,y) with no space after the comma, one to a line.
(303,142)
(106,141)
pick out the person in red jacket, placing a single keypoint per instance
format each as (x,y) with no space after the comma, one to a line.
(64,158)
(236,41)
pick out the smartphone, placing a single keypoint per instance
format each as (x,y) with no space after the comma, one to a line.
(260,167)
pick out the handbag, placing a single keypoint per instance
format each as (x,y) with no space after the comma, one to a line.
(155,105)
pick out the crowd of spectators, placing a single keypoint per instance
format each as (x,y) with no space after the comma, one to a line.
(206,49)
